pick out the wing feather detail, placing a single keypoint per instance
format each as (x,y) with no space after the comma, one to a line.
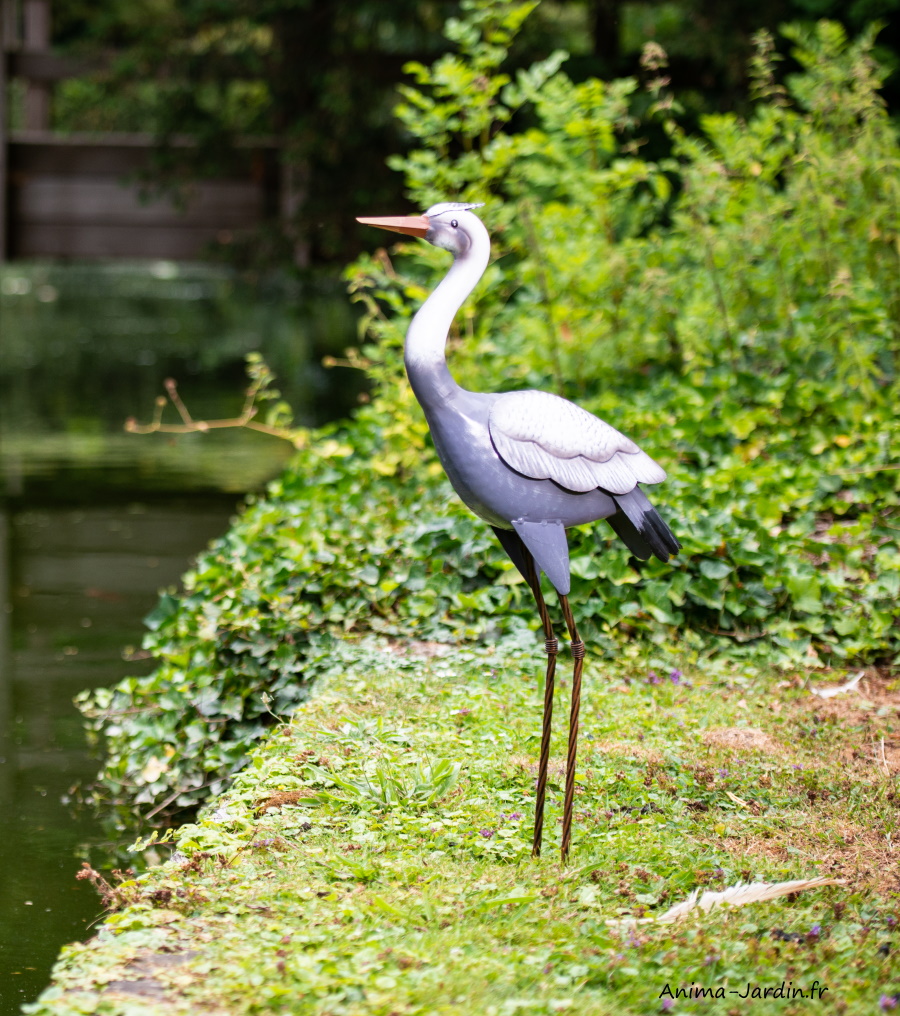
(546,437)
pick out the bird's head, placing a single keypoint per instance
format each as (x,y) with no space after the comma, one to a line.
(450,225)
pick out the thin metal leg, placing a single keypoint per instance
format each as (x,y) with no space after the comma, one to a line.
(551,646)
(571,757)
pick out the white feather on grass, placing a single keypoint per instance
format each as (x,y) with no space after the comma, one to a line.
(735,896)
(830,690)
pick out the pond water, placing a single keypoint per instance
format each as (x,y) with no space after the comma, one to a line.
(94,521)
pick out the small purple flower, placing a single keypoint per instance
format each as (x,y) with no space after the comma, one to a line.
(814,932)
(890,921)
(797,765)
(723,773)
(503,817)
(652,678)
(667,1004)
(486,833)
(887,1002)
(675,676)
(515,816)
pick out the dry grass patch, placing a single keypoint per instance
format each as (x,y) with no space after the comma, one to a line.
(876,691)
(422,649)
(627,749)
(864,858)
(742,739)
(283,797)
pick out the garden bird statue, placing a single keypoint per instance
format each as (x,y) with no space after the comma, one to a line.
(529,463)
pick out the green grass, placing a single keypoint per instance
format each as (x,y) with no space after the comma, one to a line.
(340,903)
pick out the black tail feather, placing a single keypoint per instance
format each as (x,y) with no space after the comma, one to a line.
(641,528)
(625,530)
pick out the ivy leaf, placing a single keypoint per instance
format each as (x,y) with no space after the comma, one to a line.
(164,611)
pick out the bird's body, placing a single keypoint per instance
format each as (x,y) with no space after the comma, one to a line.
(486,480)
(529,463)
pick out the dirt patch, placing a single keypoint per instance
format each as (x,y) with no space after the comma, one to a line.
(626,749)
(419,648)
(861,856)
(145,985)
(872,758)
(872,694)
(742,739)
(861,724)
(282,797)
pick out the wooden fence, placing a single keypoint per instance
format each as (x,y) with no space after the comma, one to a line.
(79,195)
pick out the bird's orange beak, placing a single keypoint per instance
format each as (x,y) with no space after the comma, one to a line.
(412,225)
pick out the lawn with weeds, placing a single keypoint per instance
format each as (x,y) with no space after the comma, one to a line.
(375,857)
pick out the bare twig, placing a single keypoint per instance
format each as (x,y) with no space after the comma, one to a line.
(189,425)
(866,469)
(178,792)
(738,636)
(242,847)
(175,398)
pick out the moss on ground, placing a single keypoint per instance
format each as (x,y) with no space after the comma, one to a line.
(375,856)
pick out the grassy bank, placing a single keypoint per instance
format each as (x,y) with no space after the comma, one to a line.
(375,855)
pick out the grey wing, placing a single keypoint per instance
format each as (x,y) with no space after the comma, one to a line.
(549,438)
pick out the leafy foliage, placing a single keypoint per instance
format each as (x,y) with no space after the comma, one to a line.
(734,308)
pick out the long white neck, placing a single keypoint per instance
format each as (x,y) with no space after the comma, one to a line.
(426,340)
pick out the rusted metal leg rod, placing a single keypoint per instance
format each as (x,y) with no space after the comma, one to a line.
(571,757)
(551,647)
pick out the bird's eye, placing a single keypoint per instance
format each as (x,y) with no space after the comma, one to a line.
(454,223)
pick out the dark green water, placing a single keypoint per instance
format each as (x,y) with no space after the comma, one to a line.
(93,522)
(78,581)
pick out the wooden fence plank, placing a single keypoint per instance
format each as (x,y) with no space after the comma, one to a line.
(176,243)
(81,199)
(77,196)
(7,29)
(117,154)
(44,67)
(36,37)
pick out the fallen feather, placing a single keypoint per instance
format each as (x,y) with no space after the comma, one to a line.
(737,800)
(735,896)
(830,690)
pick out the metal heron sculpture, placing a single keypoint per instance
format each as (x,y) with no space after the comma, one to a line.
(528,463)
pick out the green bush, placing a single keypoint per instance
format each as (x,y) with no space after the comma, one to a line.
(733,307)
